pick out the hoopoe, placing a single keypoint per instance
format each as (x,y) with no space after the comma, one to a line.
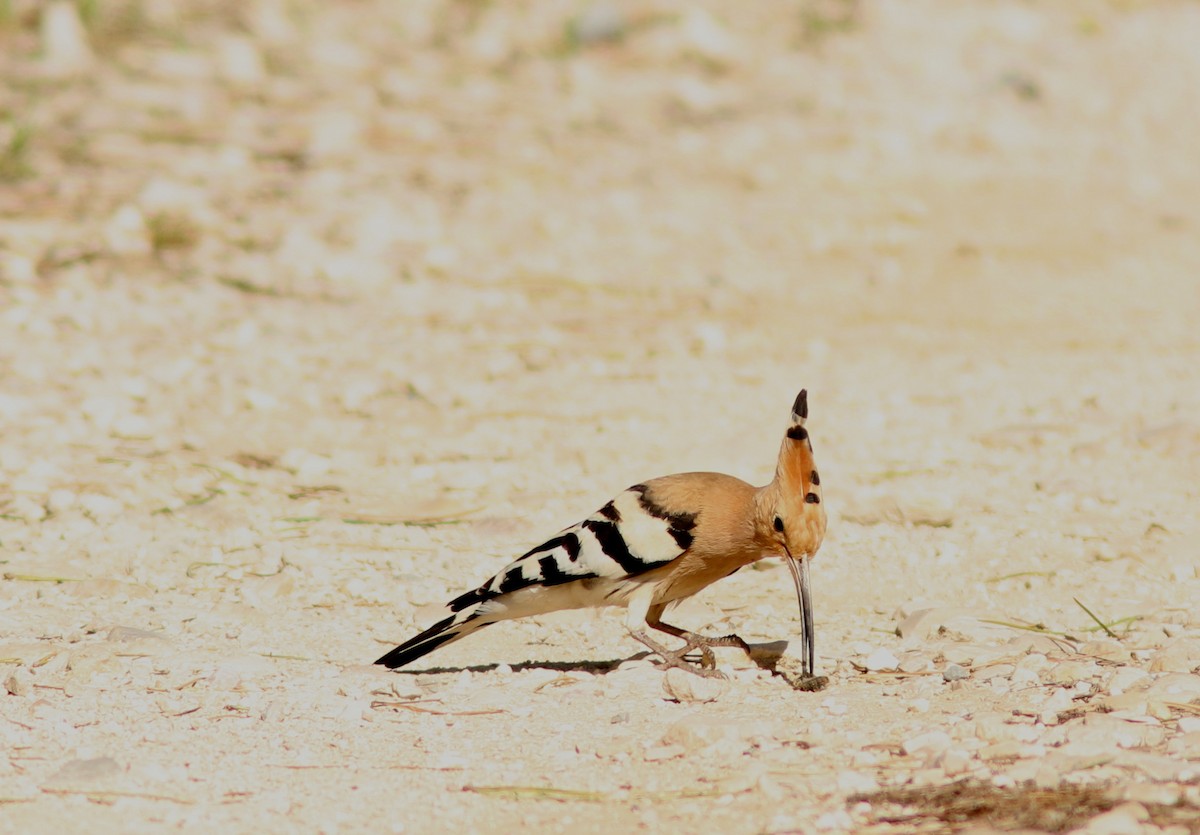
(653,545)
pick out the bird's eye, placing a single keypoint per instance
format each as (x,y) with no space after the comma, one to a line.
(779,524)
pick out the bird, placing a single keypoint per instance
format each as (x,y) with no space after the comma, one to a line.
(653,545)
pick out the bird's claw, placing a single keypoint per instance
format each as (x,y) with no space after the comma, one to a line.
(705,668)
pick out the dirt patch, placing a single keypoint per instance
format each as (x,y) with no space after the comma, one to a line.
(957,806)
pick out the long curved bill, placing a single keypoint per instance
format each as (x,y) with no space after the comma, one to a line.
(799,569)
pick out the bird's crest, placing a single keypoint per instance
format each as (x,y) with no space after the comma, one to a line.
(796,474)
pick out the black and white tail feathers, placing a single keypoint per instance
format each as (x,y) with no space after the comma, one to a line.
(587,564)
(443,632)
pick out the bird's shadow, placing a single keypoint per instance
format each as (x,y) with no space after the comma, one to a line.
(594,667)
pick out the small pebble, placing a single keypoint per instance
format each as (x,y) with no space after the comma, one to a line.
(19,682)
(932,743)
(598,22)
(881,659)
(955,672)
(689,688)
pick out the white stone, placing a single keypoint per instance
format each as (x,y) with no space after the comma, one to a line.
(1180,655)
(694,734)
(881,659)
(1178,687)
(915,663)
(65,47)
(100,508)
(930,744)
(239,61)
(19,682)
(1069,672)
(60,500)
(708,38)
(954,761)
(126,233)
(835,707)
(689,688)
(924,623)
(955,672)
(856,782)
(1125,819)
(1124,678)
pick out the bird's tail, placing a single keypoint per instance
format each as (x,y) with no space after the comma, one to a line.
(443,632)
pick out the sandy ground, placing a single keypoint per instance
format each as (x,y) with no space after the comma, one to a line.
(315,314)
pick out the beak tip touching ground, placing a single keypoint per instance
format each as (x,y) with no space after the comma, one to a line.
(799,569)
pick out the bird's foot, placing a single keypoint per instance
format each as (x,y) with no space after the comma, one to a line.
(703,642)
(706,667)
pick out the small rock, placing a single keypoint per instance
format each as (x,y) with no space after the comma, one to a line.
(838,821)
(1023,677)
(19,682)
(1179,687)
(126,233)
(658,753)
(689,688)
(1106,730)
(954,761)
(995,671)
(598,22)
(98,507)
(1057,702)
(28,509)
(240,673)
(1124,678)
(930,744)
(708,38)
(856,782)
(132,633)
(1185,746)
(1125,819)
(1108,650)
(1159,768)
(1069,672)
(84,771)
(1152,793)
(914,662)
(1033,661)
(1009,749)
(694,734)
(954,672)
(239,61)
(834,707)
(65,47)
(60,500)
(925,623)
(1180,655)
(881,659)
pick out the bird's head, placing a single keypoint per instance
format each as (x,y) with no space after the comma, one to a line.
(794,514)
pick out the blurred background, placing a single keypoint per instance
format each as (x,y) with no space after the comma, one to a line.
(314,313)
(279,259)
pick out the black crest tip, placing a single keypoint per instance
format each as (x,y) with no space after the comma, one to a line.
(800,407)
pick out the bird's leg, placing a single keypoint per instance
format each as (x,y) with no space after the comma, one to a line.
(676,657)
(694,640)
(702,642)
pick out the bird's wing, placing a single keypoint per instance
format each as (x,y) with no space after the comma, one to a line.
(628,536)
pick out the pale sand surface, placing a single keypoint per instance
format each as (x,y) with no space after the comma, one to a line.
(312,315)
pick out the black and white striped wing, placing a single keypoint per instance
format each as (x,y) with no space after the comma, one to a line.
(628,536)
